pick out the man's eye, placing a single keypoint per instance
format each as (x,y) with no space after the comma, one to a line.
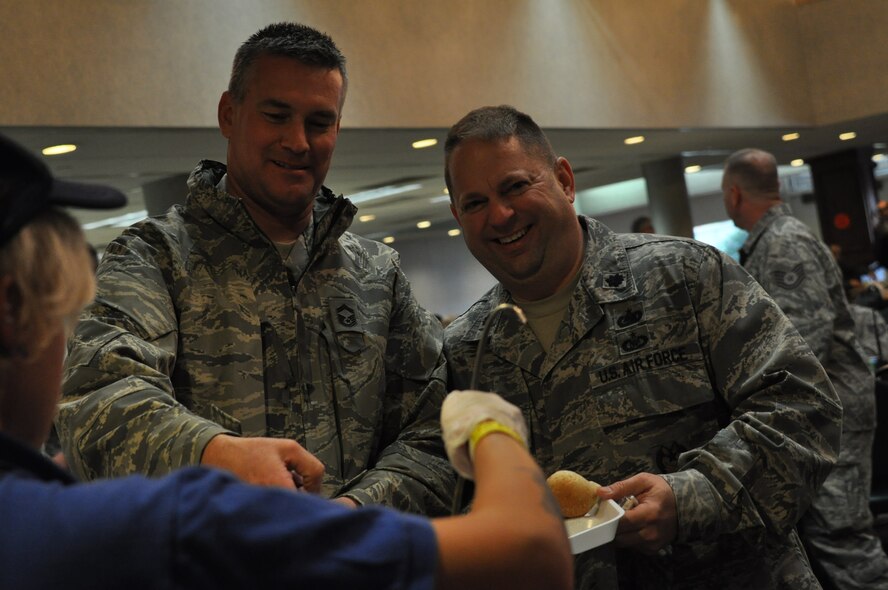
(469,206)
(320,125)
(276,117)
(518,186)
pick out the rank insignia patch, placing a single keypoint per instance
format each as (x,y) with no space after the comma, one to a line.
(346,316)
(790,279)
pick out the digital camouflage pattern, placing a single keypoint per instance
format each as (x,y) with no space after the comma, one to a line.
(199,329)
(872,333)
(671,359)
(799,272)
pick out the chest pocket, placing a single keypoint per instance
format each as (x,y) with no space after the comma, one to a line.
(358,377)
(355,354)
(347,324)
(652,382)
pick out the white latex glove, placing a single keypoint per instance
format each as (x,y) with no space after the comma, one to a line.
(462,411)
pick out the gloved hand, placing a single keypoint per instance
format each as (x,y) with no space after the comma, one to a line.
(462,412)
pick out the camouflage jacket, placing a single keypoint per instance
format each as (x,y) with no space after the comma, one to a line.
(671,359)
(799,272)
(872,334)
(199,329)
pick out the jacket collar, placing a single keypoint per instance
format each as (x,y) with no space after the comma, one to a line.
(771,215)
(606,277)
(332,214)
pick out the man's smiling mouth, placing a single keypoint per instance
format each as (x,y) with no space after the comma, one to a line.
(515,236)
(286,166)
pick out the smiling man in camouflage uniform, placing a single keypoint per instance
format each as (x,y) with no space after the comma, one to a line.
(653,364)
(800,273)
(248,322)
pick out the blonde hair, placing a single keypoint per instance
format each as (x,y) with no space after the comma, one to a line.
(52,271)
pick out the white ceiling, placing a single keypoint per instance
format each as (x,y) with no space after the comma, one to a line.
(128,158)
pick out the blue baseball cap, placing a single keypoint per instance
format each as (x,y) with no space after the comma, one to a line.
(27,188)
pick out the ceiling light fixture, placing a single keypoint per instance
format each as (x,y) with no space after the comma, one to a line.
(424,224)
(790,137)
(382,192)
(56,150)
(366,218)
(453,232)
(388,240)
(118,220)
(847,136)
(878,157)
(634,139)
(693,169)
(424,143)
(797,162)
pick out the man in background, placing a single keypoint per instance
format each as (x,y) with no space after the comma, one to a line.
(642,225)
(799,272)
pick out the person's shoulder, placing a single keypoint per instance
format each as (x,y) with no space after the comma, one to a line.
(367,254)
(471,320)
(788,226)
(657,250)
(157,237)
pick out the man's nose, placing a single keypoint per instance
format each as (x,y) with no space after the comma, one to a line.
(499,211)
(294,138)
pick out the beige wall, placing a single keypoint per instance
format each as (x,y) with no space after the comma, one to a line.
(423,63)
(848,67)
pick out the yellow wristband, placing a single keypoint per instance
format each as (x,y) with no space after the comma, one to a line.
(488,427)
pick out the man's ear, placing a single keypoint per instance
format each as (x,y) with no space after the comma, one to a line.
(455,216)
(736,196)
(565,176)
(225,114)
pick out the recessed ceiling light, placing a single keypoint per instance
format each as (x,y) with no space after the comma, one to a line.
(693,169)
(847,136)
(453,232)
(424,143)
(55,150)
(388,240)
(424,224)
(634,139)
(382,192)
(366,218)
(797,162)
(790,137)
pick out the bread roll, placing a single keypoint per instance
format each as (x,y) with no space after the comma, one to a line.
(575,494)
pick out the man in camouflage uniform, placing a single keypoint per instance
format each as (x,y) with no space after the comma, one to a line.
(650,363)
(799,272)
(247,322)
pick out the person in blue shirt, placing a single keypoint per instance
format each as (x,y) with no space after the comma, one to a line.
(201,527)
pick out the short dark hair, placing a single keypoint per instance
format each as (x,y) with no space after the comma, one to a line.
(639,223)
(498,124)
(754,170)
(293,40)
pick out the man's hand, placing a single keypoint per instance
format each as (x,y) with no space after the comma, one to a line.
(653,523)
(265,461)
